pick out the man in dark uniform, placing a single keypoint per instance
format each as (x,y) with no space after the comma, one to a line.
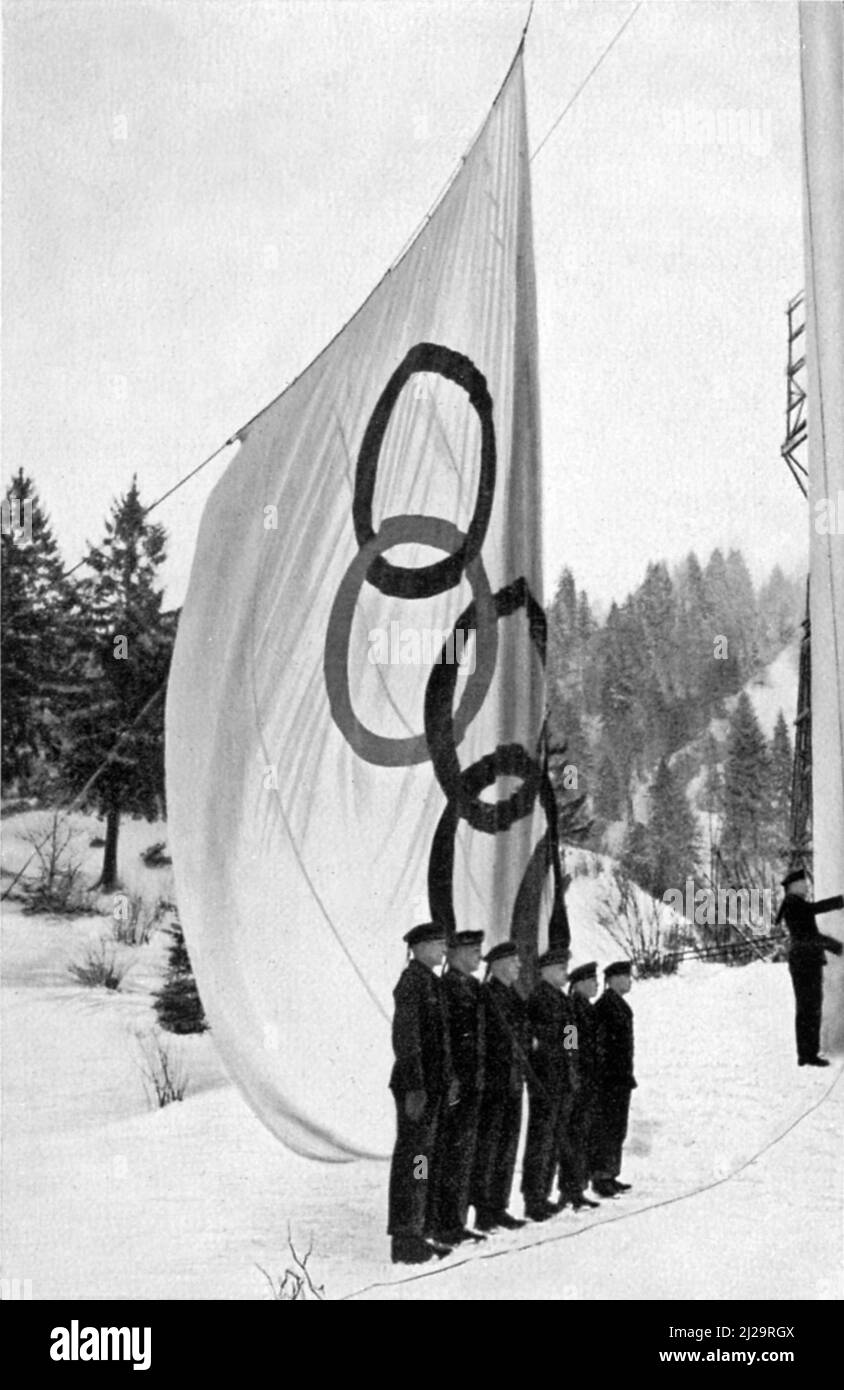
(500,1117)
(422,1083)
(455,1147)
(806,960)
(613,1018)
(575,1165)
(552,1081)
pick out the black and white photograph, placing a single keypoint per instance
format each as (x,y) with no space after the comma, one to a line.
(423,662)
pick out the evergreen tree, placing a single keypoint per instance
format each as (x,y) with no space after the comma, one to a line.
(713,788)
(177,1004)
(635,860)
(673,842)
(744,617)
(34,635)
(622,682)
(781,760)
(124,642)
(608,793)
(694,644)
(781,607)
(747,800)
(724,673)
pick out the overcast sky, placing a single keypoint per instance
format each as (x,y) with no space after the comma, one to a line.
(198,194)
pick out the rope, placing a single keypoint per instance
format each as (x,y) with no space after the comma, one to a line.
(590,74)
(163,498)
(609,1221)
(238,434)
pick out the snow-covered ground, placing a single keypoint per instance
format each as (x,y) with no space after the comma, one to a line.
(735,1155)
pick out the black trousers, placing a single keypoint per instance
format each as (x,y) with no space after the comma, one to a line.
(412,1171)
(547,1143)
(577,1144)
(609,1130)
(807,979)
(454,1158)
(499,1123)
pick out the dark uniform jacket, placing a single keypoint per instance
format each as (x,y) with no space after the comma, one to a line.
(505,1038)
(587,1057)
(420,1033)
(613,1019)
(553,1064)
(807,943)
(465,1029)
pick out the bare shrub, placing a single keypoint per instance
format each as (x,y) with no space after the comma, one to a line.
(295,1285)
(99,965)
(57,885)
(633,919)
(134,919)
(164,1076)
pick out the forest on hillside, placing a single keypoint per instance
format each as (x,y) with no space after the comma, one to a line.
(653,697)
(635,696)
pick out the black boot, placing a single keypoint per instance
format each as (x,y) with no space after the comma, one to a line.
(621,1186)
(605,1187)
(814,1062)
(410,1250)
(508,1222)
(543,1211)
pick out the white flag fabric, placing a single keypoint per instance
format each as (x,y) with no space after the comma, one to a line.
(822,80)
(355,710)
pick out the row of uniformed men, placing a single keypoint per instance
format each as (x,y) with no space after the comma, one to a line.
(463,1053)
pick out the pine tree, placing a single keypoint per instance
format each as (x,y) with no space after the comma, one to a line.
(747,798)
(744,616)
(622,682)
(124,642)
(724,673)
(178,1006)
(635,860)
(782,604)
(780,762)
(608,792)
(35,636)
(673,841)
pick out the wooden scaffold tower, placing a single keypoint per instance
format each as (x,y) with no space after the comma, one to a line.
(796,433)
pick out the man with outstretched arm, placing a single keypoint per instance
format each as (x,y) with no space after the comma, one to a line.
(806,959)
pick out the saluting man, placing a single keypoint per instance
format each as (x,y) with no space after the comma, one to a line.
(613,1018)
(576,1153)
(455,1147)
(806,961)
(422,1083)
(500,1118)
(552,1081)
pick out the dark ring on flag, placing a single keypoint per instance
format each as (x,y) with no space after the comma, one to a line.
(398,581)
(524,923)
(379,749)
(462,785)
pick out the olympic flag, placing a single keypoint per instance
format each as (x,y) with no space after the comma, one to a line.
(355,710)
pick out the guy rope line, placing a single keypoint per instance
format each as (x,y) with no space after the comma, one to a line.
(238,434)
(608,1221)
(590,74)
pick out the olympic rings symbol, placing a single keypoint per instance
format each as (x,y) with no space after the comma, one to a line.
(445,729)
